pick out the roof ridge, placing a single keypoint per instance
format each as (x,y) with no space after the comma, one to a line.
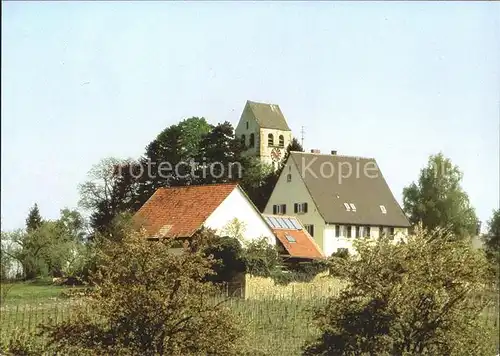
(200,185)
(260,102)
(331,155)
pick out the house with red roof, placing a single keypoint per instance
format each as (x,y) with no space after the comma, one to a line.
(178,212)
(295,243)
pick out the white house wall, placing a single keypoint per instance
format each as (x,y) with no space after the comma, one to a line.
(296,192)
(332,243)
(236,205)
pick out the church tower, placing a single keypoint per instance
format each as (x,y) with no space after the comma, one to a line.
(265,132)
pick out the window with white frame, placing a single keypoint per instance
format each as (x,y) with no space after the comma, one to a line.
(348,231)
(353,207)
(347,206)
(383,209)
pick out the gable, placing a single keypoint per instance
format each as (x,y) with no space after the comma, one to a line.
(333,180)
(247,116)
(238,206)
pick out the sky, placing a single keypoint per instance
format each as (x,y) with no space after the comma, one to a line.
(82,81)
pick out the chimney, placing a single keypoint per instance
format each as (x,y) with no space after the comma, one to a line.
(334,153)
(315,151)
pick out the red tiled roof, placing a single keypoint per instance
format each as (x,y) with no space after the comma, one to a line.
(181,211)
(303,247)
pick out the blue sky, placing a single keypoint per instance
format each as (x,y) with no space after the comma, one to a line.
(86,80)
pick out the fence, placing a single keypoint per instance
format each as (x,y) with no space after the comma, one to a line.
(277,326)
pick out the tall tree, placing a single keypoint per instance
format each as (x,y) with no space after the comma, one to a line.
(170,153)
(34,219)
(438,200)
(112,188)
(219,156)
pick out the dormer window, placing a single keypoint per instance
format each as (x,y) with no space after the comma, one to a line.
(282,141)
(270,140)
(383,210)
(252,140)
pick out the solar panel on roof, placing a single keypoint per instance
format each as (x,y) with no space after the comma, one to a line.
(274,222)
(288,223)
(296,224)
(269,221)
(281,223)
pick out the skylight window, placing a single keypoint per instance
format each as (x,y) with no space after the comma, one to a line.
(287,223)
(290,238)
(347,207)
(383,210)
(353,207)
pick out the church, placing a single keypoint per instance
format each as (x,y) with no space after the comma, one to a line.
(265,132)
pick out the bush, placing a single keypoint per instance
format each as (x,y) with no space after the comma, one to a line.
(149,301)
(417,297)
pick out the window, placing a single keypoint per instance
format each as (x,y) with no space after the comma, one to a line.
(381,231)
(288,177)
(278,222)
(282,141)
(252,140)
(353,207)
(347,207)
(244,139)
(247,125)
(300,208)
(367,231)
(270,140)
(391,231)
(290,238)
(358,231)
(383,210)
(348,231)
(337,230)
(279,209)
(310,229)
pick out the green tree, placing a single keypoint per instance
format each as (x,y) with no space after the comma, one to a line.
(438,200)
(111,188)
(219,157)
(48,249)
(421,297)
(492,243)
(149,301)
(492,237)
(34,219)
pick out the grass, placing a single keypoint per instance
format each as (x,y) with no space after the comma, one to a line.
(31,293)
